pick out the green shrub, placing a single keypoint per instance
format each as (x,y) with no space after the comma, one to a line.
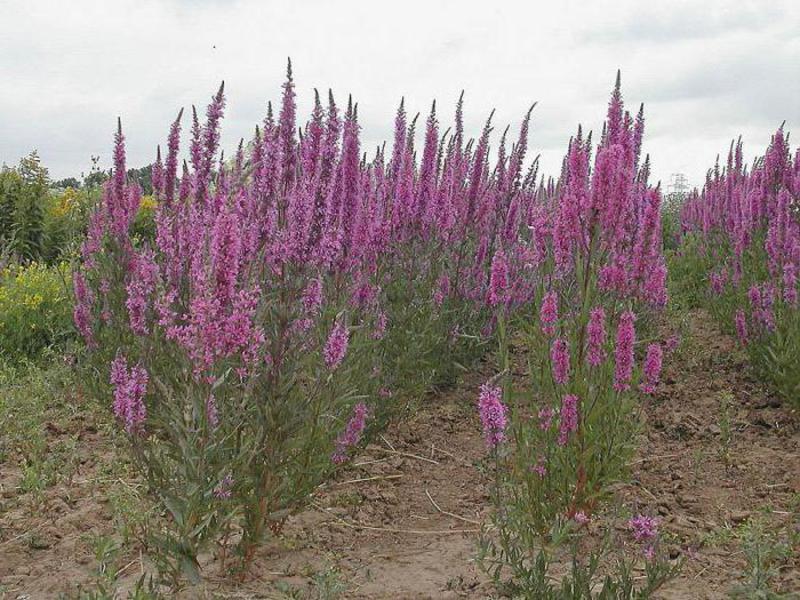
(35,309)
(65,220)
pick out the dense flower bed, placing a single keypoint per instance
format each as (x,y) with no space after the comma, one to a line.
(742,239)
(290,297)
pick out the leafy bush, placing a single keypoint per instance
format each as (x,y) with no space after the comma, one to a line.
(35,309)
(38,223)
(65,221)
(143,227)
(23,191)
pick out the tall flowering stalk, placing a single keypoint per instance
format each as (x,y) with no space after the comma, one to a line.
(130,387)
(596,337)
(624,351)
(651,368)
(548,314)
(336,345)
(741,249)
(560,361)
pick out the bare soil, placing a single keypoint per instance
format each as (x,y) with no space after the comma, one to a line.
(401,520)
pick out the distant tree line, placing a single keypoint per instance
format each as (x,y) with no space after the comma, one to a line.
(142,176)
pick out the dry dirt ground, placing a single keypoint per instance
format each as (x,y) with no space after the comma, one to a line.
(401,521)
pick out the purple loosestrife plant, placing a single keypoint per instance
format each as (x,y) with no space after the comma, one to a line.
(740,321)
(498,280)
(568,418)
(644,530)
(593,252)
(130,387)
(548,314)
(741,232)
(207,312)
(233,312)
(596,337)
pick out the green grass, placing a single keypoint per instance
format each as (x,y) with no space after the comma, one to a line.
(38,413)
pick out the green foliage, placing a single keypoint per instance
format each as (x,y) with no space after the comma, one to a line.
(601,570)
(23,192)
(773,352)
(425,345)
(10,193)
(27,393)
(765,550)
(65,222)
(40,221)
(35,310)
(144,226)
(776,357)
(687,284)
(67,182)
(143,178)
(671,222)
(325,585)
(105,585)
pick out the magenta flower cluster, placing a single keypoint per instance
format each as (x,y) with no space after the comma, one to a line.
(560,359)
(568,422)
(624,351)
(643,528)
(651,368)
(645,532)
(746,222)
(254,252)
(352,433)
(596,337)
(130,387)
(548,313)
(493,415)
(608,213)
(498,280)
(336,346)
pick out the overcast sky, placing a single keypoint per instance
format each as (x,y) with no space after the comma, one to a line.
(707,71)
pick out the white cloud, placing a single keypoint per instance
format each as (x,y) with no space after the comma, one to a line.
(707,71)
